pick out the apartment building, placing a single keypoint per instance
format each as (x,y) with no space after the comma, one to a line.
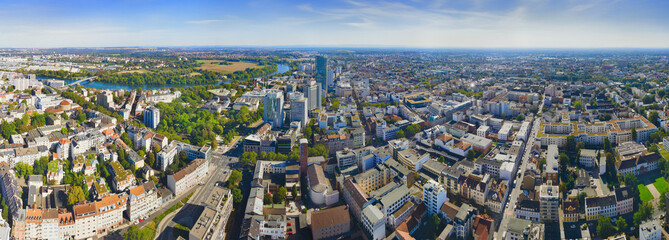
(434,196)
(639,165)
(123,178)
(650,230)
(596,206)
(617,131)
(188,177)
(92,218)
(624,200)
(548,203)
(473,187)
(142,199)
(588,157)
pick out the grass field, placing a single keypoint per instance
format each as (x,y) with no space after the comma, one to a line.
(644,193)
(663,151)
(211,65)
(661,185)
(133,71)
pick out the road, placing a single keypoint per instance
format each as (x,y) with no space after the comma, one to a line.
(219,171)
(508,211)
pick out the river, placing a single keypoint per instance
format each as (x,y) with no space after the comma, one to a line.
(281,68)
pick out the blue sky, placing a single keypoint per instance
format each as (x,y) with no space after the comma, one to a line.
(409,23)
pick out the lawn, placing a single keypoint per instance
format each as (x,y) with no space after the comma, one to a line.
(661,185)
(644,193)
(663,151)
(216,66)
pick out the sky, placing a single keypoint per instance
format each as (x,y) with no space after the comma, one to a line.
(345,23)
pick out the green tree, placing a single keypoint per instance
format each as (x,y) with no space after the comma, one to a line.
(249,158)
(400,134)
(581,199)
(607,144)
(604,227)
(40,167)
(442,159)
(75,195)
(644,213)
(280,195)
(471,155)
(235,178)
(433,226)
(562,164)
(237,195)
(267,199)
(295,191)
(571,143)
(621,224)
(23,169)
(630,180)
(150,159)
(634,134)
(578,105)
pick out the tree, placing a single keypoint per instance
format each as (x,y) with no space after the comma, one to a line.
(412,129)
(630,180)
(578,105)
(621,224)
(571,143)
(235,178)
(542,163)
(634,134)
(442,159)
(607,144)
(562,164)
(75,195)
(662,202)
(280,195)
(610,161)
(318,150)
(580,145)
(471,155)
(604,227)
(249,158)
(237,195)
(433,225)
(400,134)
(23,169)
(644,213)
(295,191)
(654,117)
(267,199)
(151,159)
(581,199)
(40,167)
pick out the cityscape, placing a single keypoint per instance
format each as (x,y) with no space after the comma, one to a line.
(370,120)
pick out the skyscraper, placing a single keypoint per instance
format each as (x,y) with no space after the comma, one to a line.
(152,117)
(274,108)
(298,108)
(313,94)
(322,71)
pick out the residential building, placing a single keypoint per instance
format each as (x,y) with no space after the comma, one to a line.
(639,165)
(552,163)
(142,199)
(624,200)
(600,205)
(123,178)
(188,177)
(434,196)
(650,230)
(588,157)
(152,117)
(549,203)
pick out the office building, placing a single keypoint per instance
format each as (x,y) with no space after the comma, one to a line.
(321,72)
(274,108)
(299,109)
